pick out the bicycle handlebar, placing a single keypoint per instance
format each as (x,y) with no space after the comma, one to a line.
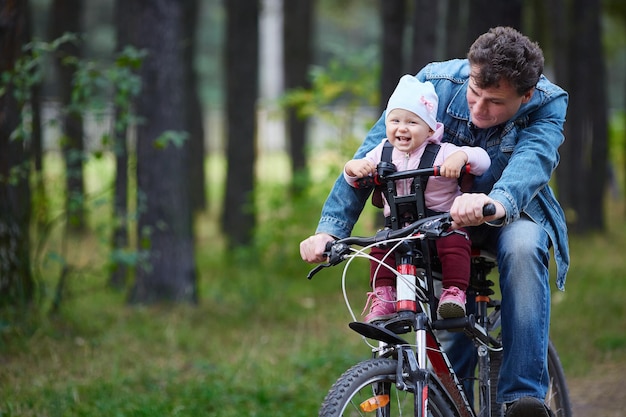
(433,226)
(378,179)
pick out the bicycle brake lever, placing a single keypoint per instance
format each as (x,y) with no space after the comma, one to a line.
(317,269)
(334,253)
(455,232)
(436,227)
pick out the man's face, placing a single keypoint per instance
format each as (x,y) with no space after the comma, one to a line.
(494,105)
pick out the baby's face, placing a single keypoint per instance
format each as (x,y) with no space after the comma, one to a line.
(406,131)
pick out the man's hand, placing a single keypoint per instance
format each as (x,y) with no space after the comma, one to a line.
(467,210)
(312,248)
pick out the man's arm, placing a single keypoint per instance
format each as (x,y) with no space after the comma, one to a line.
(534,159)
(529,169)
(343,205)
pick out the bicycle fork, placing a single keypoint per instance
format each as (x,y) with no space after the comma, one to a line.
(427,353)
(412,378)
(417,364)
(415,361)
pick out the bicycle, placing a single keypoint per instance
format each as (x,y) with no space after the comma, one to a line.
(418,379)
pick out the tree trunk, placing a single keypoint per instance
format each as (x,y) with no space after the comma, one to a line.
(242,85)
(65,17)
(541,24)
(35,104)
(567,170)
(120,240)
(559,40)
(167,269)
(36,145)
(195,118)
(297,57)
(589,115)
(424,44)
(616,9)
(393,14)
(16,280)
(119,270)
(456,41)
(485,14)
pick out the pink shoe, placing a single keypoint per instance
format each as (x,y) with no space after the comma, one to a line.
(451,303)
(383,306)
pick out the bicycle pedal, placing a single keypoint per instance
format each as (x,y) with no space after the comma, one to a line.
(457,324)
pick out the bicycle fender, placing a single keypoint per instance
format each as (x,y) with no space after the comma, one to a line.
(372,331)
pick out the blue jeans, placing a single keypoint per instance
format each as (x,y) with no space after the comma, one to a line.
(522,250)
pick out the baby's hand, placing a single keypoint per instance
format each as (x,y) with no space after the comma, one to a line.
(359,168)
(453,164)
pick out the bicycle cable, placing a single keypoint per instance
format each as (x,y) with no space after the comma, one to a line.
(419,287)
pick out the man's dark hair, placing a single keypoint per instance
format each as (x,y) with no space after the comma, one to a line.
(504,53)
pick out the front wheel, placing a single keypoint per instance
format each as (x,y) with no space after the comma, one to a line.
(370,387)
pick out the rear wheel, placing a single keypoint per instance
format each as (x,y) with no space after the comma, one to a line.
(558,395)
(369,387)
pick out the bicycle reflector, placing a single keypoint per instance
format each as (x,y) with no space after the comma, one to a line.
(374,403)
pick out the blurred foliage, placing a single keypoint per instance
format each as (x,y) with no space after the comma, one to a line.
(95,86)
(339,96)
(348,81)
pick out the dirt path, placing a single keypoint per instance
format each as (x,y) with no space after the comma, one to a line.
(600,394)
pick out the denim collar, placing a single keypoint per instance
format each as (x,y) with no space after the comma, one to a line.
(458,107)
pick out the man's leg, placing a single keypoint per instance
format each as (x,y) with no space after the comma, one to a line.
(523,257)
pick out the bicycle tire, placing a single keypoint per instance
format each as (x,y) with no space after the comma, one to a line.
(558,394)
(374,377)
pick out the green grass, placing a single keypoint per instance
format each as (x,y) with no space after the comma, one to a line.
(589,318)
(263,340)
(267,349)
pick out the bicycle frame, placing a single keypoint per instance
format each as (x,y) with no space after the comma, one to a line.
(417,365)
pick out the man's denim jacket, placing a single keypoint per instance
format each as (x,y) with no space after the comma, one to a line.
(523,156)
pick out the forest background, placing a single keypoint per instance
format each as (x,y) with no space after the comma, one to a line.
(161,160)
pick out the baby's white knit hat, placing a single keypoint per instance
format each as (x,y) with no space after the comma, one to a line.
(413,95)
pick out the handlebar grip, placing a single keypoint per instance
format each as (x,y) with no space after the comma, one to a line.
(367,182)
(489,209)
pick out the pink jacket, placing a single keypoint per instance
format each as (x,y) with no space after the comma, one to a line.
(440,191)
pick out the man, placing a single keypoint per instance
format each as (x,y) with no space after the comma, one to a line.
(497,99)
